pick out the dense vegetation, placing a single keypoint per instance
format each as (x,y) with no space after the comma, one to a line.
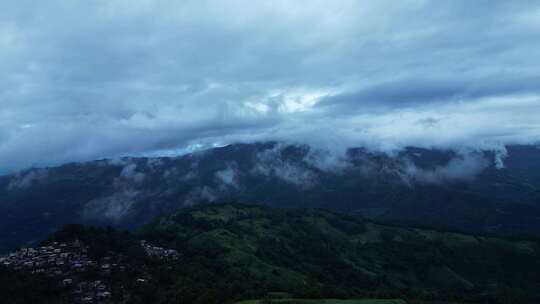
(232,252)
(18,287)
(270,300)
(236,251)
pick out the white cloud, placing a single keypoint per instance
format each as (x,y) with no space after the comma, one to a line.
(464,167)
(25,179)
(132,77)
(129,173)
(115,207)
(271,163)
(228,177)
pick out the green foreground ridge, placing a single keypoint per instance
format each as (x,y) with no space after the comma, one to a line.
(229,253)
(323,301)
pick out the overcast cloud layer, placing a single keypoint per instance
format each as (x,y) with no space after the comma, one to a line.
(88,79)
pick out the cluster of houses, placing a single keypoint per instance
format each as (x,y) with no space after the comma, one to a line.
(159,252)
(55,259)
(90,292)
(65,261)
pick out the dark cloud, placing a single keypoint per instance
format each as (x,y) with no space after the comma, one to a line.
(83,80)
(417,92)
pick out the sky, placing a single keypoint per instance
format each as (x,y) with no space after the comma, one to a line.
(83,80)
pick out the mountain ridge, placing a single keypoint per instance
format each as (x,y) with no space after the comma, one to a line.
(430,187)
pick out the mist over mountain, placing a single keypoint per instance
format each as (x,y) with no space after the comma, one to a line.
(208,123)
(466,190)
(145,76)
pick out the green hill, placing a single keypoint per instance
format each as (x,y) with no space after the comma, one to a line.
(230,253)
(324,301)
(241,251)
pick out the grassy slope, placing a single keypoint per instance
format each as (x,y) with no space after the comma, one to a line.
(329,301)
(245,251)
(235,252)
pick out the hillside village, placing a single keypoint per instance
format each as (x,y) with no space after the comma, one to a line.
(159,252)
(68,263)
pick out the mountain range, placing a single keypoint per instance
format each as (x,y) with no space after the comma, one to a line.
(463,190)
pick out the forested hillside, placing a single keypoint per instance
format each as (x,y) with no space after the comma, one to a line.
(474,191)
(232,252)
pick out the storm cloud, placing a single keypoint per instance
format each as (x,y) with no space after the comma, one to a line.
(83,80)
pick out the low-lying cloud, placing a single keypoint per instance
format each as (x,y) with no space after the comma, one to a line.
(228,177)
(113,208)
(129,173)
(460,168)
(271,163)
(25,179)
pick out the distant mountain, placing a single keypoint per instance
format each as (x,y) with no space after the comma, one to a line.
(475,191)
(231,252)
